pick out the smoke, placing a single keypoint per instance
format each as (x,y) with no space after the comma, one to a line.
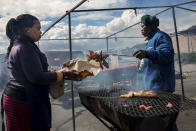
(122,78)
(148,79)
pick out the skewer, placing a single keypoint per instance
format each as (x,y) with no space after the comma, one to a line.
(120,55)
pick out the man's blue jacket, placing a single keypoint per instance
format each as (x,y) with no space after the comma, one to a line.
(158,68)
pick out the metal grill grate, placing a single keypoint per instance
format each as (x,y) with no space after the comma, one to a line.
(131,106)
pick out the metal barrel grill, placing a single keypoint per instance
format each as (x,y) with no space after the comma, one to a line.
(125,113)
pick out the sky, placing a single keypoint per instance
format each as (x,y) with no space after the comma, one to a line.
(92,24)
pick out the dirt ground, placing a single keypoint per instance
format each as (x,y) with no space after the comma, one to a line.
(187,120)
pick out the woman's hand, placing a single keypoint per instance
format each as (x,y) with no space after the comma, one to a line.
(53,70)
(73,74)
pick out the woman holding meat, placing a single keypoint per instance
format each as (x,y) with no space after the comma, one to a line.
(26,98)
(157,58)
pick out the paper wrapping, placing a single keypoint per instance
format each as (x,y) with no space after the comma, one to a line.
(82,65)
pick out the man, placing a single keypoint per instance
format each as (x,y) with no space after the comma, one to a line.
(158,57)
(157,61)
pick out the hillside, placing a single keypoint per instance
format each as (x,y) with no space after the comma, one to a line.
(128,51)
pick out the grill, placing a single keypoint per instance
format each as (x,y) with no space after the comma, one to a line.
(126,114)
(131,106)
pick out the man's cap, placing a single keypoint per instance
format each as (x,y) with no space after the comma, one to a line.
(149,20)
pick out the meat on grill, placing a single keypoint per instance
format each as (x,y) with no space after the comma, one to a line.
(169,105)
(139,94)
(145,107)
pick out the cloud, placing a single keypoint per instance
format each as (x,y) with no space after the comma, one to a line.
(47,8)
(91,16)
(83,30)
(127,18)
(104,3)
(3,22)
(2,49)
(42,9)
(3,46)
(108,22)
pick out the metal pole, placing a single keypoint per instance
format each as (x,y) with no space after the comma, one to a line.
(94,38)
(186,9)
(107,44)
(72,92)
(113,9)
(70,44)
(185,3)
(192,44)
(134,8)
(188,43)
(178,48)
(67,12)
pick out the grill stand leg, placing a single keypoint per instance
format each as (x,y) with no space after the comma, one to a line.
(111,128)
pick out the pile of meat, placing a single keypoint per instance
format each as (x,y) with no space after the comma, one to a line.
(98,57)
(87,67)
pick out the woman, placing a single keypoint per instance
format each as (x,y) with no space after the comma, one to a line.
(26,98)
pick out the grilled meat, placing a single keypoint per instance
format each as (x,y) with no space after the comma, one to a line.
(139,94)
(98,57)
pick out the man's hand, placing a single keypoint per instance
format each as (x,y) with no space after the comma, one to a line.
(140,54)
